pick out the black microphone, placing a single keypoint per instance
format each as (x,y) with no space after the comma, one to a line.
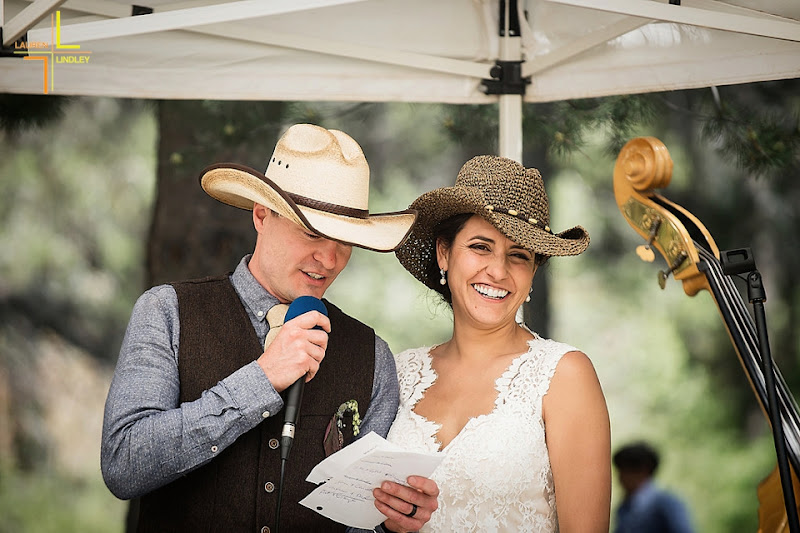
(294,394)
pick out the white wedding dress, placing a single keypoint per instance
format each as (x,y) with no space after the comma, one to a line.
(496,472)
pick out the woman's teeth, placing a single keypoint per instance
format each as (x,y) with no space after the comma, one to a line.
(490,292)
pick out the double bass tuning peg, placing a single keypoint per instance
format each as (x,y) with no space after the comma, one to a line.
(662,276)
(644,251)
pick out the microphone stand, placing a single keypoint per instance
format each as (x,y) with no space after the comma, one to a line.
(738,262)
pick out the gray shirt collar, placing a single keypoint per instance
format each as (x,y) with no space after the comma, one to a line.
(256,299)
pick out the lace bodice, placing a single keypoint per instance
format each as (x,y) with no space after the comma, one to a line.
(496,472)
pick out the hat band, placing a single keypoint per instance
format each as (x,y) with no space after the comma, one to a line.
(334,209)
(514,213)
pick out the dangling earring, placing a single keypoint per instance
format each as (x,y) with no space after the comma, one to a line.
(528,298)
(442,281)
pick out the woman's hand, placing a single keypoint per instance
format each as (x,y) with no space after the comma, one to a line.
(407,508)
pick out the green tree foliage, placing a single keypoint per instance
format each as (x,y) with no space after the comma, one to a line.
(758,126)
(73,207)
(75,201)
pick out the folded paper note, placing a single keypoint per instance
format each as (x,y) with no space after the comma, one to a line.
(349,475)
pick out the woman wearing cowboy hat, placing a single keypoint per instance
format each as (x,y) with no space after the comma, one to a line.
(521,420)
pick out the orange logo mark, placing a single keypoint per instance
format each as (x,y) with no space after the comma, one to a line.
(41,58)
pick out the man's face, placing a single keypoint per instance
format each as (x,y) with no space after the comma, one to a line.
(289,261)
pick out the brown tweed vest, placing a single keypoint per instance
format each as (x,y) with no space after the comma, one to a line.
(238,490)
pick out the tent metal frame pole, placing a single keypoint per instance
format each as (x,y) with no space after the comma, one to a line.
(510,105)
(510,142)
(510,134)
(510,101)
(26,19)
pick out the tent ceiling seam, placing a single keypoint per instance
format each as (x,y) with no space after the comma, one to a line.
(179,19)
(587,42)
(304,43)
(774,28)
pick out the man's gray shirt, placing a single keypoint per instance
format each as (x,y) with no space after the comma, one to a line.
(149,439)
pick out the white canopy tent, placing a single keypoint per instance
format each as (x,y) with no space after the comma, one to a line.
(396,50)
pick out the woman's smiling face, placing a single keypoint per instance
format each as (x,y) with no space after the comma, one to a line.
(488,274)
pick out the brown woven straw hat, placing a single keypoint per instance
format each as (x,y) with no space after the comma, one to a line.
(509,196)
(316,178)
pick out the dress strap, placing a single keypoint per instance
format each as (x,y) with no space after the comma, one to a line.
(415,374)
(527,379)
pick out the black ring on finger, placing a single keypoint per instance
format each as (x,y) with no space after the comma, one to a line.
(413,510)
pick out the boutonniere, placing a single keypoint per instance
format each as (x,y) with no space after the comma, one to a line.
(334,440)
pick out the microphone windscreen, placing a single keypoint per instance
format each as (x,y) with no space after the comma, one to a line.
(304,304)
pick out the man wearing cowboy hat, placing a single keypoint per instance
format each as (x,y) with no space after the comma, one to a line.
(190,423)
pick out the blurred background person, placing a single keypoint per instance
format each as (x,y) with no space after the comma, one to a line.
(646,507)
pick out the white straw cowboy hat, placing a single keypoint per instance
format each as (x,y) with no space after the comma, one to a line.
(316,178)
(509,196)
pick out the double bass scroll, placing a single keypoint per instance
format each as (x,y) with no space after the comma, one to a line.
(693,258)
(644,164)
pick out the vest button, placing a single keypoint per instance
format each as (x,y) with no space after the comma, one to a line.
(269,486)
(273,444)
(265,529)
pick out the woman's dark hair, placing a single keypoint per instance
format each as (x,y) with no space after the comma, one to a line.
(446,231)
